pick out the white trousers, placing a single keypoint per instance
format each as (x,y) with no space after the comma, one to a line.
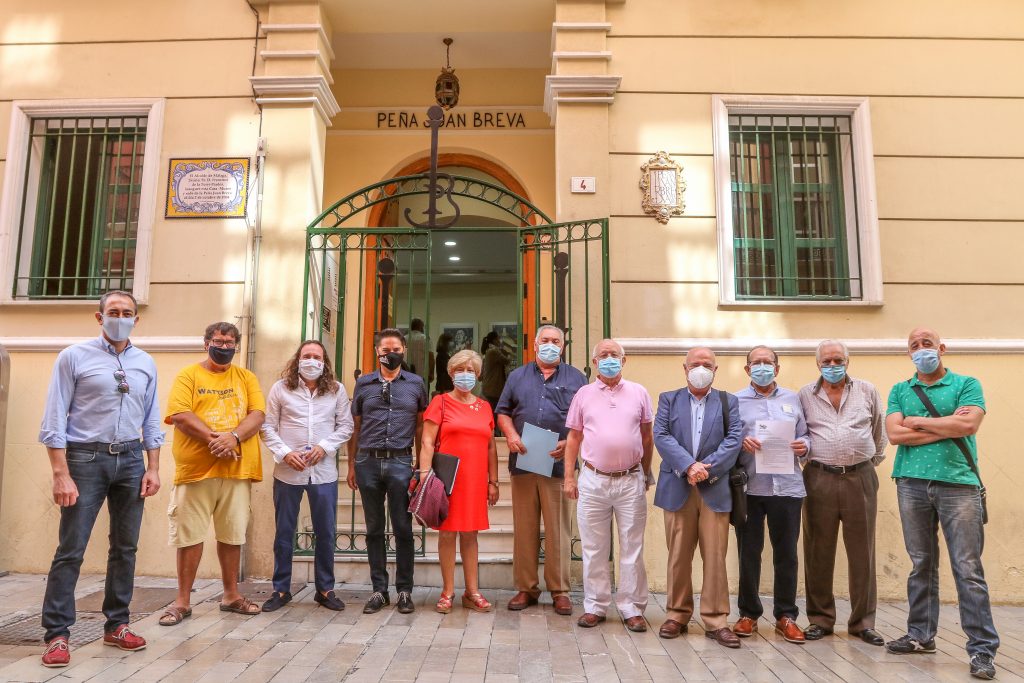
(626,499)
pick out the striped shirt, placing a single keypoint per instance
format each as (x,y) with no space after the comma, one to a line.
(850,435)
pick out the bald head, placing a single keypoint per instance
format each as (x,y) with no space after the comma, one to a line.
(923,333)
(701,355)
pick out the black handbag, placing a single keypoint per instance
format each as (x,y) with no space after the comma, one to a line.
(962,445)
(738,476)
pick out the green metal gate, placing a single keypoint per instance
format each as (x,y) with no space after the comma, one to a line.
(361,279)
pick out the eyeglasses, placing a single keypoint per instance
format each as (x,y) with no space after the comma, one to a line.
(385,392)
(222,343)
(121,377)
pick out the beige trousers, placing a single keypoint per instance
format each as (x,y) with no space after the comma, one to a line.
(535,497)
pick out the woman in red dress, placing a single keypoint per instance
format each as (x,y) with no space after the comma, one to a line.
(466,431)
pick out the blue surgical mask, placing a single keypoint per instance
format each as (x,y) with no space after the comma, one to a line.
(833,374)
(118,329)
(926,361)
(609,367)
(464,381)
(549,353)
(762,375)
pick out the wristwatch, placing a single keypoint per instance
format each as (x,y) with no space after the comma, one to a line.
(237,438)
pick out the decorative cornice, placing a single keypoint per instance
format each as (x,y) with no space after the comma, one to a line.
(654,346)
(300,54)
(313,90)
(300,28)
(149,344)
(572,89)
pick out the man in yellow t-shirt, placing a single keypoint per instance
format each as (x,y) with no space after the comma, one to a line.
(217,410)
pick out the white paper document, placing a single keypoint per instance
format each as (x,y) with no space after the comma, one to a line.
(538,442)
(775,455)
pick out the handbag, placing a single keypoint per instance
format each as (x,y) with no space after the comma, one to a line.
(429,503)
(738,476)
(962,445)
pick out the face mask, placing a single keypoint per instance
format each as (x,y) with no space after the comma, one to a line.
(549,353)
(833,374)
(700,377)
(464,381)
(118,329)
(762,375)
(926,361)
(311,368)
(609,367)
(221,356)
(392,360)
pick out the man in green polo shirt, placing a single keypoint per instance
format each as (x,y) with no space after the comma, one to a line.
(935,487)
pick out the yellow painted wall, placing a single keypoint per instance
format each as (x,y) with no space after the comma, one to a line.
(199,56)
(946,175)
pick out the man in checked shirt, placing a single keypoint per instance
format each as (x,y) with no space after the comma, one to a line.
(846,424)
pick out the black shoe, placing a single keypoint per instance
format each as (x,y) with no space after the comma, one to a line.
(330,601)
(871,637)
(982,666)
(909,646)
(376,602)
(815,632)
(277,601)
(405,605)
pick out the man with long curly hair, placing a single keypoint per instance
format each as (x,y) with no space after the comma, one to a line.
(308,420)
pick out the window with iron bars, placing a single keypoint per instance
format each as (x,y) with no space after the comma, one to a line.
(795,235)
(80,207)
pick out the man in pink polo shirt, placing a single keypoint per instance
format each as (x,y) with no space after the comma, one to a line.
(611,421)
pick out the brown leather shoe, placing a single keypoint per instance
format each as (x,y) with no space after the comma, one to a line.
(789,630)
(521,600)
(563,605)
(671,629)
(589,620)
(724,637)
(636,624)
(745,627)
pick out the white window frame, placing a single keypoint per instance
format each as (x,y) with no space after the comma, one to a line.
(864,205)
(22,113)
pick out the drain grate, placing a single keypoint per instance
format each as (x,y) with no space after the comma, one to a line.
(89,624)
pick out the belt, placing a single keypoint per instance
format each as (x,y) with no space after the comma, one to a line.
(383,453)
(620,473)
(111,448)
(840,469)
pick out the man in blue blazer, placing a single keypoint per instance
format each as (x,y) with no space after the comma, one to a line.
(698,447)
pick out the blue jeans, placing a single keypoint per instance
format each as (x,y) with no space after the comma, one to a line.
(99,476)
(924,506)
(323,507)
(383,480)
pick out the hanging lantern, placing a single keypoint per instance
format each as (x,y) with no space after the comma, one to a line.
(446,90)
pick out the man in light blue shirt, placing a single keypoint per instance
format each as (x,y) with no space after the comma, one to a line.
(101,413)
(776,498)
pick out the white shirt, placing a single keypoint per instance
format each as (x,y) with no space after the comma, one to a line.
(298,419)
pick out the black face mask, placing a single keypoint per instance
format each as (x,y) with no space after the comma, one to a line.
(392,360)
(221,356)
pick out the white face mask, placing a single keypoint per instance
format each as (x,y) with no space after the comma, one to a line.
(311,368)
(700,377)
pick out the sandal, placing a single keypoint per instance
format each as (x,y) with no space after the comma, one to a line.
(174,615)
(241,606)
(475,602)
(444,603)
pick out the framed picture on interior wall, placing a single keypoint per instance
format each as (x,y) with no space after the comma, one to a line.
(508,337)
(463,336)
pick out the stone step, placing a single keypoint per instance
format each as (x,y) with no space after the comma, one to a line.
(497,539)
(499,514)
(495,569)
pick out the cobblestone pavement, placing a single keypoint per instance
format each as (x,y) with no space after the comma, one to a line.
(305,642)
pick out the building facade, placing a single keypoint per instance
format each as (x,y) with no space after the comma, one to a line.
(846,171)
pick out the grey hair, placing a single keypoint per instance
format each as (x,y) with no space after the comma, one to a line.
(622,351)
(541,329)
(831,342)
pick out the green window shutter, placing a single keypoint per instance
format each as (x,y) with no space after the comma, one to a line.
(789,225)
(80,204)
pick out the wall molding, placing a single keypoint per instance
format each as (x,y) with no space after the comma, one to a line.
(678,346)
(149,344)
(297,90)
(573,89)
(267,29)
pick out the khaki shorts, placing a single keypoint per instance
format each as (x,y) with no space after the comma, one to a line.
(193,505)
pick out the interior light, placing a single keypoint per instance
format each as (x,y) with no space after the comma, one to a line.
(454,258)
(450,243)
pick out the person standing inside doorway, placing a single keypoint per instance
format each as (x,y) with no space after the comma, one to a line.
(101,413)
(217,410)
(308,419)
(420,360)
(387,409)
